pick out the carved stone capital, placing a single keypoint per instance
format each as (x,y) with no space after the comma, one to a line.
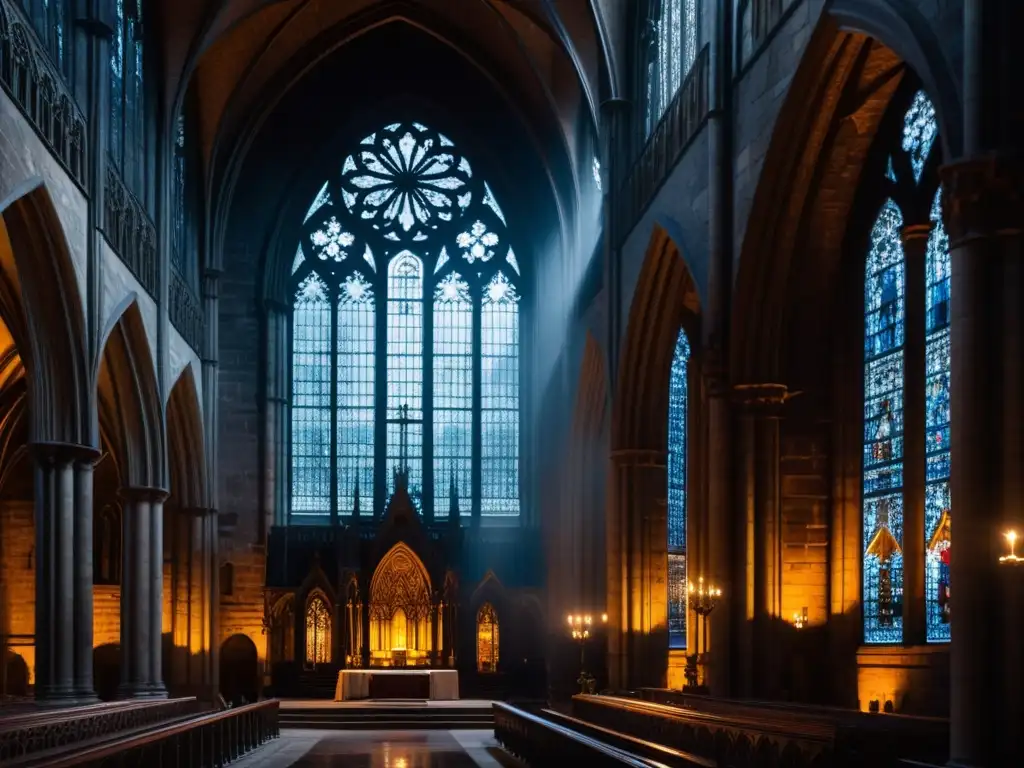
(761,399)
(916,233)
(143,495)
(47,453)
(983,197)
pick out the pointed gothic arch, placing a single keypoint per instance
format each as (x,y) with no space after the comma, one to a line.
(400,609)
(186,447)
(129,397)
(41,306)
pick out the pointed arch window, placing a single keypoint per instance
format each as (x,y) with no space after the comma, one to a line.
(670,35)
(318,631)
(913,199)
(49,18)
(678,405)
(127,136)
(487,640)
(419,369)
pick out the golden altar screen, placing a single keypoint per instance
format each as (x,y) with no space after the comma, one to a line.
(400,626)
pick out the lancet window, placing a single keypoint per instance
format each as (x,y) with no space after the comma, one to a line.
(670,34)
(127,97)
(678,403)
(49,19)
(405,337)
(913,200)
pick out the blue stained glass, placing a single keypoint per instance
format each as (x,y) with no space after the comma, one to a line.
(356,339)
(117,46)
(499,398)
(937,367)
(678,402)
(405,371)
(919,131)
(311,399)
(453,395)
(883,430)
(674,35)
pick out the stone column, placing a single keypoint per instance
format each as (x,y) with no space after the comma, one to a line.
(142,578)
(614,147)
(63,622)
(983,203)
(211,351)
(638,637)
(760,534)
(915,244)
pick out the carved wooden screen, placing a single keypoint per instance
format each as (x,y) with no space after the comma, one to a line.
(487,639)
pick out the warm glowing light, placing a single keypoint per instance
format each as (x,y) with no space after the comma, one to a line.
(604,617)
(1012,558)
(570,618)
(798,620)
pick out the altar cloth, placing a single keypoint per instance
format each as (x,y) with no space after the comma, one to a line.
(355,683)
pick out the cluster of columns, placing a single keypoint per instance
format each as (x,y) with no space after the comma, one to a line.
(64,580)
(983,204)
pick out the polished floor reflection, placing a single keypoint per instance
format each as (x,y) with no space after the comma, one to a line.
(380,749)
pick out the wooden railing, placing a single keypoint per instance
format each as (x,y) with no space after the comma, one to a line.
(129,230)
(185,312)
(206,741)
(639,747)
(33,83)
(670,137)
(537,741)
(24,735)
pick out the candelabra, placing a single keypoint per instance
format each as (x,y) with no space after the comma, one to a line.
(702,602)
(800,619)
(581,628)
(1011,558)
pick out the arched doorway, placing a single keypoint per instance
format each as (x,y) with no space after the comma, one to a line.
(400,626)
(106,670)
(239,670)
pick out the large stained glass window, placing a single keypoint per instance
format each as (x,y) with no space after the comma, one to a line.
(49,18)
(672,33)
(678,403)
(409,249)
(910,178)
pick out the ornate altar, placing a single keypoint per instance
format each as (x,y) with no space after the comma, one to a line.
(403,631)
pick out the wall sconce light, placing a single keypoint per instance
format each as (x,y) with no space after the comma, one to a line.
(800,618)
(580,628)
(1011,557)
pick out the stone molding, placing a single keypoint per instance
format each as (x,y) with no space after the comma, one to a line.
(143,494)
(761,399)
(983,197)
(52,452)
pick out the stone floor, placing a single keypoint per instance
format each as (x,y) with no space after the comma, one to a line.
(380,749)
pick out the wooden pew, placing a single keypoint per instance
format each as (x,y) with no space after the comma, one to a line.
(25,735)
(877,735)
(540,743)
(208,740)
(659,752)
(746,735)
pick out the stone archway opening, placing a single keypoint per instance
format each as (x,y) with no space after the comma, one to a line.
(239,670)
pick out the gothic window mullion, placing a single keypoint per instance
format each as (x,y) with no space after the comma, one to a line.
(380,482)
(428,401)
(477,466)
(333,336)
